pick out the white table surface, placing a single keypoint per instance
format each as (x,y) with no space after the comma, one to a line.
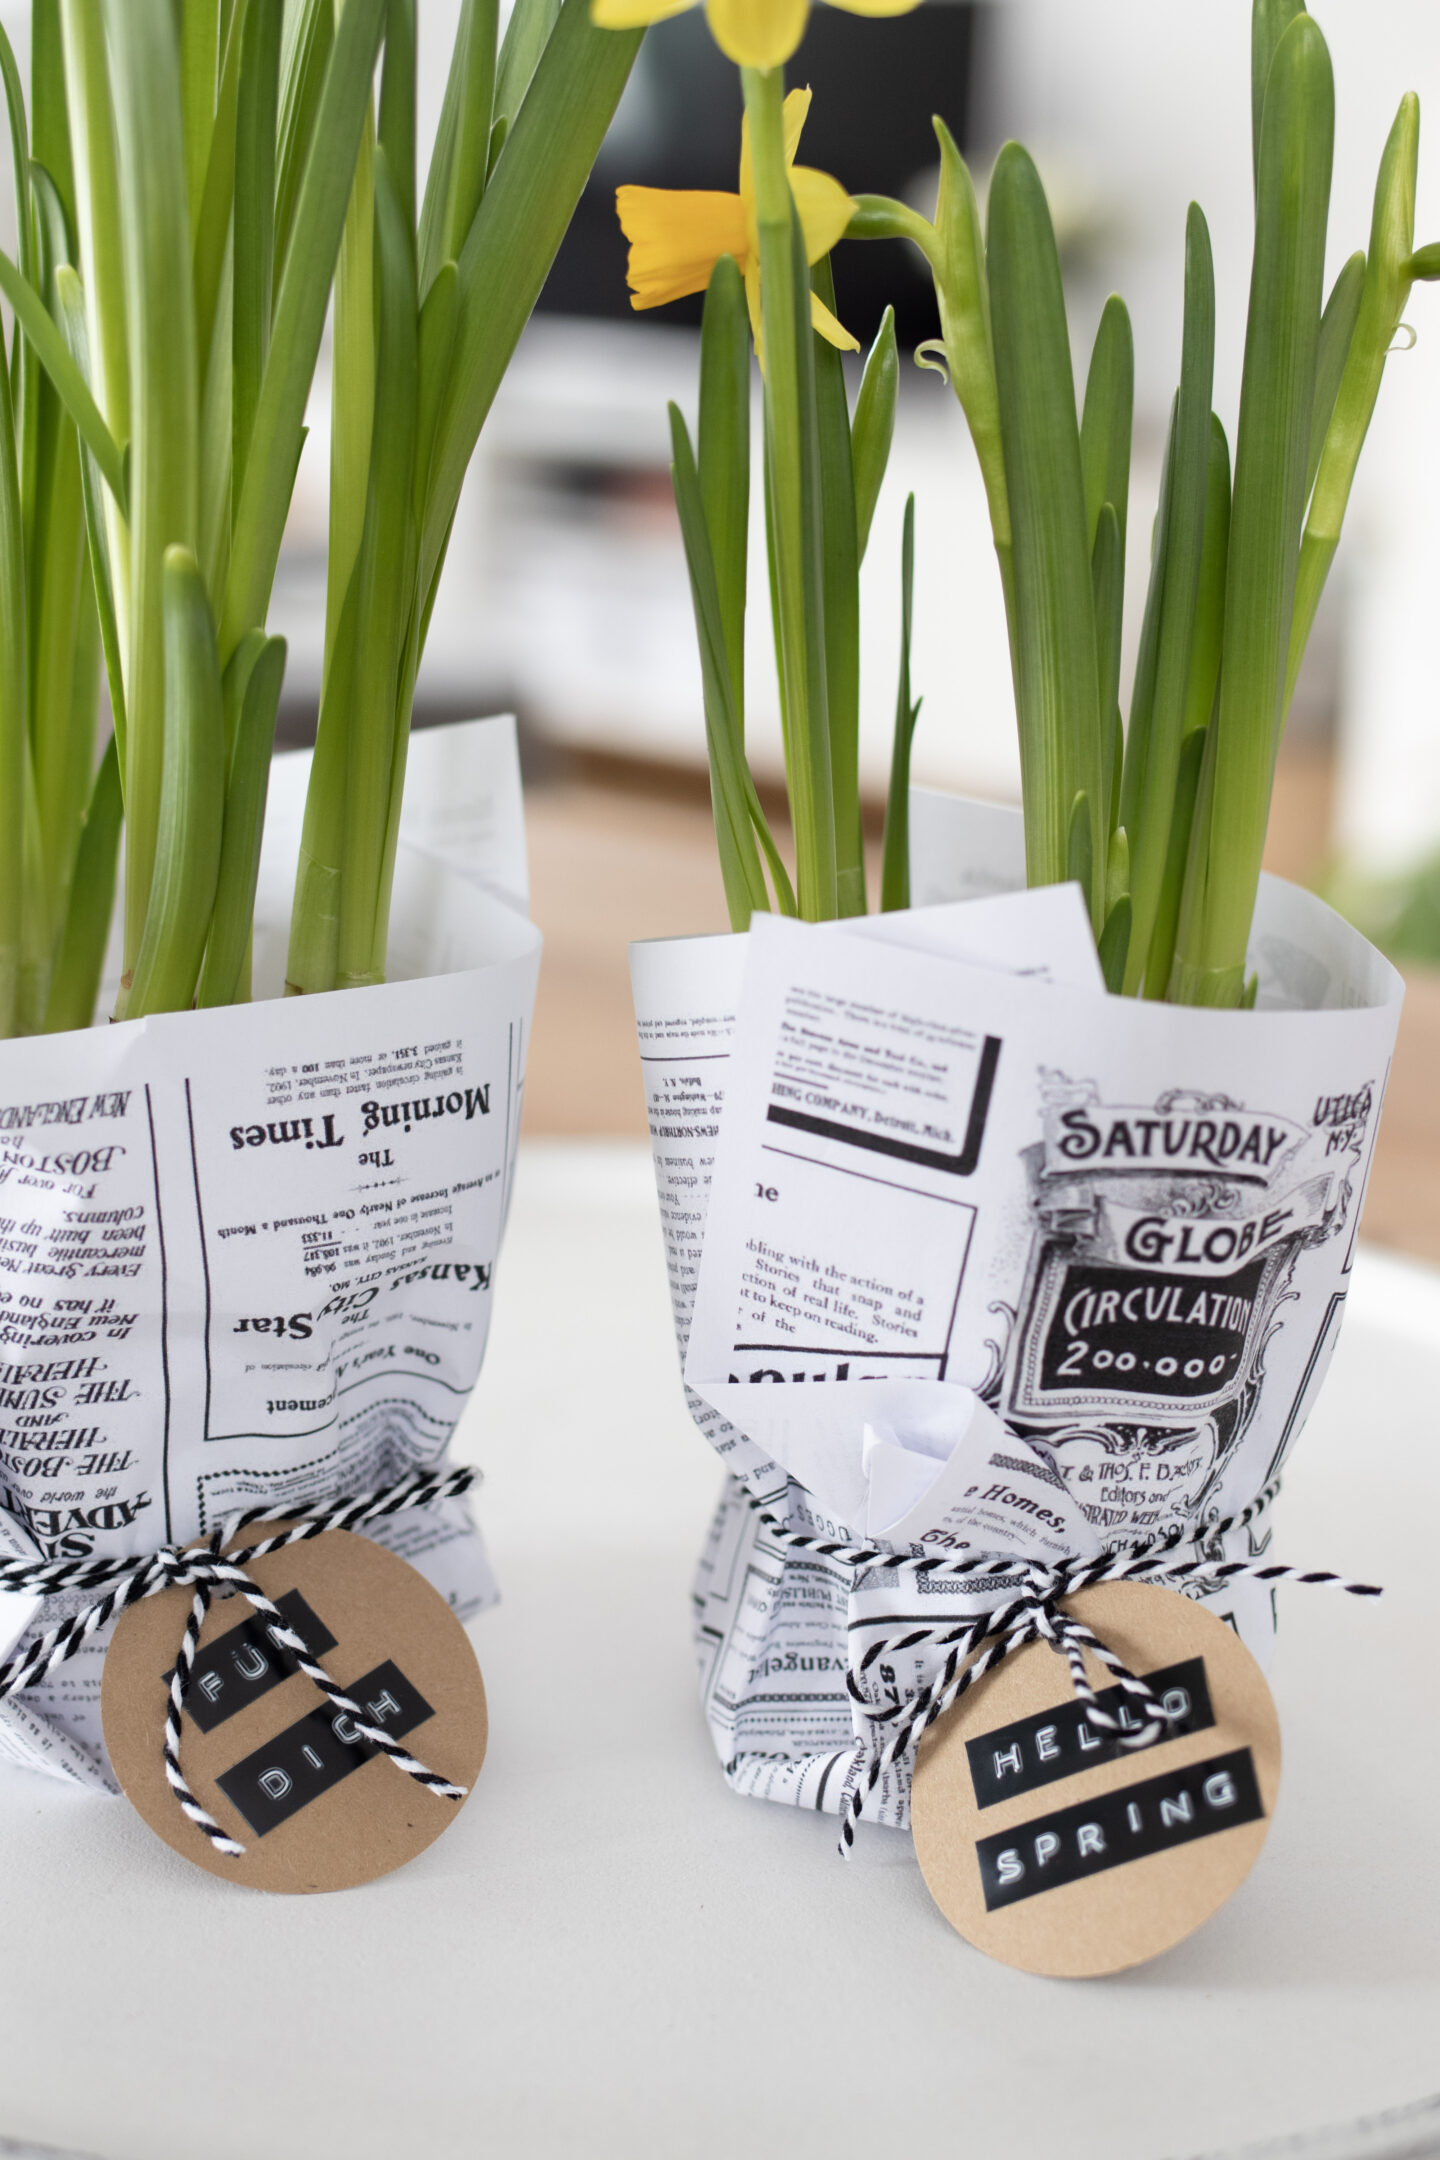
(611,1954)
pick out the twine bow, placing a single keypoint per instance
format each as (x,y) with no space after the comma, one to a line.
(211,1571)
(1034,1613)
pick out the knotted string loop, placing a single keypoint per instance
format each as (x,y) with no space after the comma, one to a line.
(211,1571)
(1031,1611)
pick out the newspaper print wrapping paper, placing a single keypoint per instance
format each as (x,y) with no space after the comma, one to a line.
(247,1255)
(1070,1268)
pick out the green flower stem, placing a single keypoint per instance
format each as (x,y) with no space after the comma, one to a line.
(50,348)
(954,248)
(261,662)
(26,377)
(396,132)
(64,642)
(150,162)
(411,647)
(352,387)
(792,443)
(309,38)
(192,804)
(14,714)
(840,555)
(50,123)
(385,574)
(1057,673)
(1142,695)
(50,625)
(1337,331)
(1209,636)
(1269,20)
(1107,421)
(307,266)
(102,274)
(212,237)
(439,320)
(252,275)
(35,940)
(895,862)
(1383,294)
(80,954)
(962,289)
(740,870)
(1105,428)
(712,501)
(64,683)
(315,916)
(1107,582)
(96,501)
(532,23)
(1205,650)
(1167,911)
(1267,508)
(475,56)
(724,457)
(1185,513)
(199,72)
(872,429)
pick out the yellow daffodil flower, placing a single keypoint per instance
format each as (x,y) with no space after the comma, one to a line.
(677,235)
(754,33)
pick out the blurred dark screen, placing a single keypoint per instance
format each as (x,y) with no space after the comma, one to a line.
(876,85)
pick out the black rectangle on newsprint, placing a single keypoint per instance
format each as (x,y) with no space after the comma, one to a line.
(953,1163)
(1057,1743)
(1145,1331)
(243,1664)
(1117,1827)
(310,1758)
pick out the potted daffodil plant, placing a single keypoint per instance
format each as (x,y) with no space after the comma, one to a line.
(241,1205)
(1066,1146)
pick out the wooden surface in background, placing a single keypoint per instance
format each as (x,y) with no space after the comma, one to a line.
(615,856)
(607,864)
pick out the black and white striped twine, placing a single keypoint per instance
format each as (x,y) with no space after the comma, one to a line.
(975,1646)
(211,1571)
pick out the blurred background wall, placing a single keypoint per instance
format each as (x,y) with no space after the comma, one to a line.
(566,594)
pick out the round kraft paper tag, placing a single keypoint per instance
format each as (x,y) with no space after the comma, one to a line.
(1051,1847)
(286,1775)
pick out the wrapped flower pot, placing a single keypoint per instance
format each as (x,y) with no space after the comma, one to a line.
(250,1231)
(249,1254)
(1122,1231)
(1009,1234)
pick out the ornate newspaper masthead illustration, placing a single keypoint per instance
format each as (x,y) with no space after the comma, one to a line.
(1165,1247)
